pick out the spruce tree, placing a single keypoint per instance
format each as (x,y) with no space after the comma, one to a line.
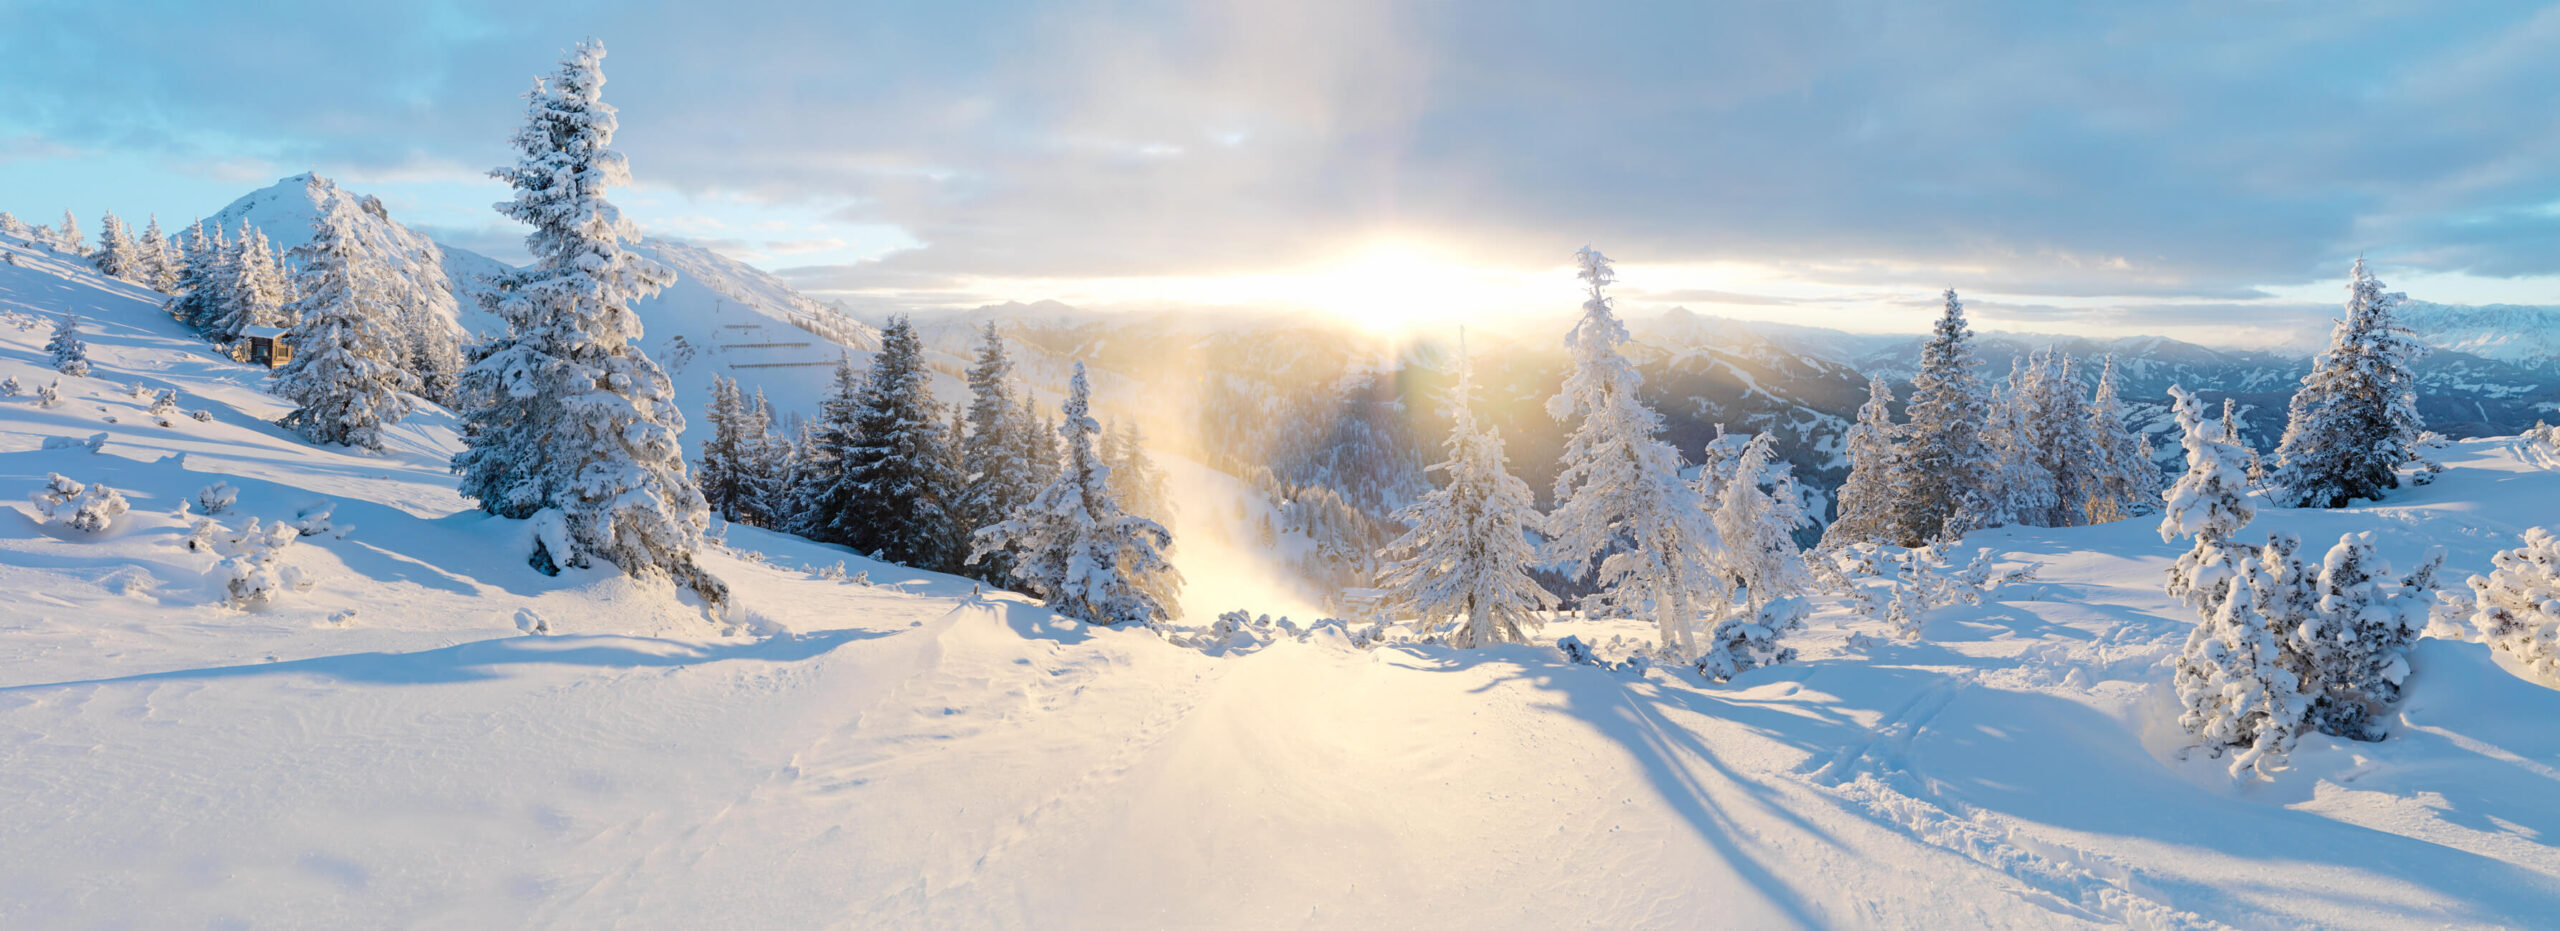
(1464,567)
(2210,503)
(2068,447)
(818,488)
(345,377)
(1757,513)
(2354,421)
(1623,517)
(2023,490)
(2237,697)
(118,255)
(1004,470)
(2356,639)
(1073,545)
(895,486)
(1869,506)
(68,238)
(2127,479)
(253,291)
(158,272)
(568,417)
(198,287)
(723,472)
(1949,470)
(69,355)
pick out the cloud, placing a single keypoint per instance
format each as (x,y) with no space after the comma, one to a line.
(2029,149)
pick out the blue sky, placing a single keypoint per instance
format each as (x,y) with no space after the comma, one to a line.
(2108,166)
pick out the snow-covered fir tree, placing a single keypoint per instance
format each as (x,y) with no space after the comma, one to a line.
(159,271)
(68,238)
(1134,474)
(254,290)
(2516,607)
(726,469)
(11,226)
(68,354)
(1869,507)
(2356,639)
(200,277)
(345,377)
(2127,480)
(893,484)
(1464,567)
(817,486)
(2210,503)
(566,415)
(2354,421)
(1073,545)
(1623,517)
(2067,445)
(1758,510)
(1001,449)
(2236,696)
(118,255)
(2023,489)
(1949,469)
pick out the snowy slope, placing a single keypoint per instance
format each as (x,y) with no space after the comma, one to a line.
(901,754)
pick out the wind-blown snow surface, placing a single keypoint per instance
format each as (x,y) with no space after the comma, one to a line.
(904,754)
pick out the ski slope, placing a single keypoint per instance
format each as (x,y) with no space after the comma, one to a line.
(478,744)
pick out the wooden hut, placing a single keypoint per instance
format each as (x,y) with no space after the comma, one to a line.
(264,346)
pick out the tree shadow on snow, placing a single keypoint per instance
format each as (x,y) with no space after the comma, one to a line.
(478,660)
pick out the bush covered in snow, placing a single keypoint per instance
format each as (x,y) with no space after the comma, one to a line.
(10,388)
(217,497)
(1741,644)
(88,508)
(1914,580)
(70,355)
(1244,632)
(2235,694)
(50,395)
(2516,607)
(253,567)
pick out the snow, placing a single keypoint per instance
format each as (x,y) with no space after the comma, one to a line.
(399,745)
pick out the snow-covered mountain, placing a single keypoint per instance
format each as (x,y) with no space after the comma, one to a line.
(434,734)
(2505,332)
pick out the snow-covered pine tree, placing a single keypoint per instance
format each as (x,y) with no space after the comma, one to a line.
(724,471)
(894,486)
(2069,445)
(2356,639)
(2516,607)
(2022,490)
(118,255)
(198,281)
(69,355)
(1869,507)
(2236,694)
(254,290)
(2354,421)
(817,486)
(345,377)
(1463,568)
(11,226)
(1000,451)
(1949,471)
(567,415)
(1134,474)
(1619,497)
(68,238)
(1073,546)
(767,467)
(2210,502)
(158,272)
(1758,511)
(2128,480)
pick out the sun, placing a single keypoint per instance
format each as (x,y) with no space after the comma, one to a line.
(1393,285)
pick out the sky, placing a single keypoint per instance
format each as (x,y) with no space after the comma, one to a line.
(2205,170)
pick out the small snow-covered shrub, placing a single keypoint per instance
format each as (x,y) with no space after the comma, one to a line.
(2354,638)
(10,388)
(314,521)
(2516,607)
(1244,632)
(1741,644)
(165,403)
(50,395)
(202,537)
(1920,578)
(86,508)
(201,416)
(253,567)
(70,355)
(217,497)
